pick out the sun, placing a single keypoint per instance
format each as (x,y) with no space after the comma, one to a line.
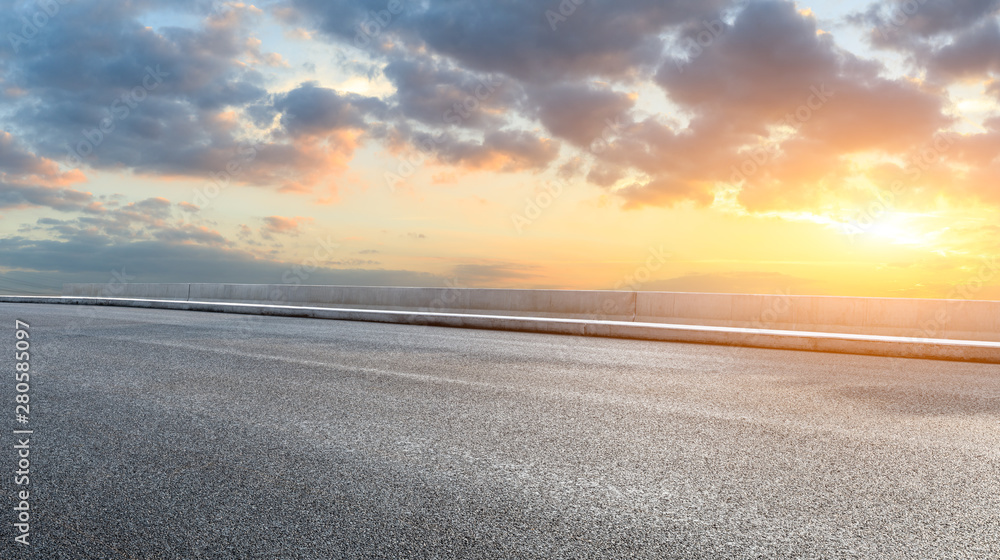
(900,228)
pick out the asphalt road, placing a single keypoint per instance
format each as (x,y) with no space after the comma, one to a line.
(171,434)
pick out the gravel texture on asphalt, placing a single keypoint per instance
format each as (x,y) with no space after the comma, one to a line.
(170,434)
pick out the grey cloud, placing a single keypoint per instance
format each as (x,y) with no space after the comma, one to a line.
(438,95)
(501,150)
(157,207)
(605,175)
(61,199)
(601,37)
(758,69)
(605,38)
(150,100)
(906,23)
(145,220)
(952,39)
(571,168)
(169,261)
(310,109)
(29,180)
(579,113)
(190,233)
(972,54)
(16,160)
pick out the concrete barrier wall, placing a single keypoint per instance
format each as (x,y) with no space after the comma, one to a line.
(126,290)
(920,318)
(530,303)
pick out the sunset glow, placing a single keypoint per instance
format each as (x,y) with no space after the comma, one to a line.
(843,148)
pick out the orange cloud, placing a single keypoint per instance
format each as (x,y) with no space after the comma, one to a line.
(283,225)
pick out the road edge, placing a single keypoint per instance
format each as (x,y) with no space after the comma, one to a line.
(871,345)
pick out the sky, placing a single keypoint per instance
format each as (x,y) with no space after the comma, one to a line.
(814,147)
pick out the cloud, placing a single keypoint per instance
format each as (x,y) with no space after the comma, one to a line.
(978,159)
(154,242)
(168,261)
(156,102)
(309,109)
(440,95)
(29,180)
(353,262)
(772,114)
(189,233)
(501,150)
(907,25)
(605,175)
(773,95)
(579,112)
(993,88)
(973,54)
(282,225)
(15,160)
(151,219)
(952,39)
(176,101)
(516,38)
(14,195)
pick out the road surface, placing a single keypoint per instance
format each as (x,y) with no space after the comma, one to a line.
(171,434)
